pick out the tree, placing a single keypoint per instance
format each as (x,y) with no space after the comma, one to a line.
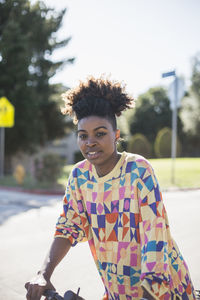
(190,112)
(152,113)
(27,41)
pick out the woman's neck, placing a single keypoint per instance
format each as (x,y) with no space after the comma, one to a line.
(103,170)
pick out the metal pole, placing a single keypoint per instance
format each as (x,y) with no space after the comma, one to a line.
(174,131)
(2,146)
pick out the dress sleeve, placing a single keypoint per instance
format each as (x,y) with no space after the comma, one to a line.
(155,275)
(69,224)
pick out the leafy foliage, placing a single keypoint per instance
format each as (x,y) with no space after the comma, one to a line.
(27,41)
(48,168)
(139,144)
(152,113)
(78,156)
(196,76)
(190,112)
(162,146)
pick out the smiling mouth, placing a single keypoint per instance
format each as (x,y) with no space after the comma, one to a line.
(93,154)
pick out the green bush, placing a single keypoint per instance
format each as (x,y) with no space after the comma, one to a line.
(122,145)
(78,156)
(163,141)
(48,168)
(139,144)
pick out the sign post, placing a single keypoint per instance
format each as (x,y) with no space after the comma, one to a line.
(175,94)
(7,113)
(2,147)
(174,131)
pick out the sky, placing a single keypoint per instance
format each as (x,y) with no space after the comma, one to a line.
(133,41)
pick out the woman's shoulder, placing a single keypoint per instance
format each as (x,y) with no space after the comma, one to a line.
(138,160)
(141,168)
(81,167)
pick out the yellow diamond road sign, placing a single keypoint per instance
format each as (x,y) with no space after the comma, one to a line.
(7,112)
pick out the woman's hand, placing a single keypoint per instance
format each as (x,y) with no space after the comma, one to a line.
(37,286)
(40,283)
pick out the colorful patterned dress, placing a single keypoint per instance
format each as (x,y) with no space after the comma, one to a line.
(123,218)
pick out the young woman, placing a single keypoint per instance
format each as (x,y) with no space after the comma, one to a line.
(114,202)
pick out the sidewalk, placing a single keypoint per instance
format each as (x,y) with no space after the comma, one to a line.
(26,237)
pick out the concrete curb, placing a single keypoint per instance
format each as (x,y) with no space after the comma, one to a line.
(61,192)
(177,189)
(33,191)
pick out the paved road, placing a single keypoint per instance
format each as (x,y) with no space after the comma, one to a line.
(13,203)
(26,236)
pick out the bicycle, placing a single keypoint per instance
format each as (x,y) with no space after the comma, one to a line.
(197,294)
(69,295)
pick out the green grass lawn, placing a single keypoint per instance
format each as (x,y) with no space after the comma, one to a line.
(29,184)
(187,175)
(64,177)
(187,172)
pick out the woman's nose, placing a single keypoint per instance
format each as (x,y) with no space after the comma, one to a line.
(91,142)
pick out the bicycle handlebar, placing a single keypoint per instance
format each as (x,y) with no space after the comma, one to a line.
(52,295)
(69,295)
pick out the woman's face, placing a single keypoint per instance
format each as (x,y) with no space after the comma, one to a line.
(97,142)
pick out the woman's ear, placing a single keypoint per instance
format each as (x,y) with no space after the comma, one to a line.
(117,134)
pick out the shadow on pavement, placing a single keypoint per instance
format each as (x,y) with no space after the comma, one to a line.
(13,203)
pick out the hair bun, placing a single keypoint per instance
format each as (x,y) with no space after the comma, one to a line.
(95,89)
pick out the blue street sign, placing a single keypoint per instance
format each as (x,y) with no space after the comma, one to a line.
(171,73)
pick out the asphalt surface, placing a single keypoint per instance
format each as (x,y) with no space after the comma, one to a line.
(13,202)
(27,228)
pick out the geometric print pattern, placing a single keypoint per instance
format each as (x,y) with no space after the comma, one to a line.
(123,218)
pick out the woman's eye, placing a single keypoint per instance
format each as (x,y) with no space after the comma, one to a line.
(82,136)
(99,134)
